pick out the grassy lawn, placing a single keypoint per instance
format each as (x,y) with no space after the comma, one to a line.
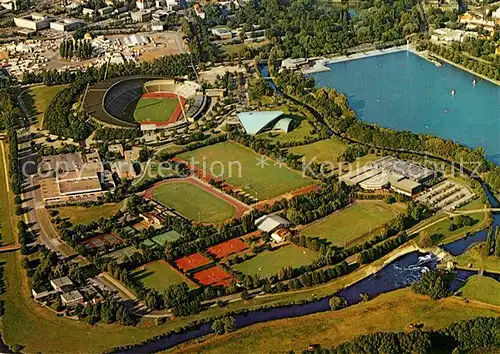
(302,126)
(161,169)
(166,236)
(239,166)
(484,289)
(234,48)
(324,150)
(393,311)
(270,262)
(83,215)
(193,202)
(120,254)
(354,223)
(476,257)
(158,275)
(38,98)
(155,109)
(442,228)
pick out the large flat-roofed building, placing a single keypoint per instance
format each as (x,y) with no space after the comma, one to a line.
(72,298)
(34,21)
(71,176)
(389,172)
(66,25)
(62,284)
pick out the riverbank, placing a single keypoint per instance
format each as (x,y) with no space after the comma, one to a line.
(321,64)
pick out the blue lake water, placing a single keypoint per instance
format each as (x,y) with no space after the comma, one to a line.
(405,92)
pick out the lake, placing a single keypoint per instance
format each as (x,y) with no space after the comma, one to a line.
(405,92)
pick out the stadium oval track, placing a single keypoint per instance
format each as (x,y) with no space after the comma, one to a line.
(112,102)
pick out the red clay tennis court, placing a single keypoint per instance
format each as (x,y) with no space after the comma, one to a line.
(191,262)
(212,276)
(227,248)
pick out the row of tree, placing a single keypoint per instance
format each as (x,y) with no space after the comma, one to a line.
(493,242)
(81,49)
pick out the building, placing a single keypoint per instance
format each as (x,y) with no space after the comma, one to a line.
(62,285)
(105,11)
(72,298)
(9,4)
(88,12)
(116,149)
(42,294)
(34,21)
(222,33)
(280,235)
(141,16)
(474,20)
(451,35)
(259,121)
(124,169)
(390,173)
(160,16)
(66,25)
(293,64)
(198,10)
(157,26)
(216,92)
(270,223)
(69,177)
(132,155)
(142,4)
(496,14)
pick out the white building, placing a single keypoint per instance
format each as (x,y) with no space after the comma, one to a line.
(141,16)
(61,284)
(293,64)
(269,223)
(452,35)
(65,25)
(35,22)
(142,4)
(222,33)
(496,14)
(280,235)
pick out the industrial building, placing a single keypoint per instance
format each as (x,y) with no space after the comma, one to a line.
(389,172)
(270,223)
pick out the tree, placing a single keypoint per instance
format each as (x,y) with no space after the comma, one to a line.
(337,302)
(435,283)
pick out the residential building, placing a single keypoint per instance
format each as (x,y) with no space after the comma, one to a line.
(142,4)
(160,15)
(105,10)
(116,148)
(199,11)
(293,64)
(132,155)
(451,35)
(496,14)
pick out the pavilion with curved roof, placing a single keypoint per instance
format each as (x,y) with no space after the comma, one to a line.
(259,121)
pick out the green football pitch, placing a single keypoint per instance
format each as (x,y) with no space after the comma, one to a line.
(155,109)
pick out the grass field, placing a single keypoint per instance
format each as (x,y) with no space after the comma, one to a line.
(155,109)
(476,256)
(159,275)
(166,236)
(120,254)
(484,289)
(393,311)
(83,215)
(193,202)
(354,223)
(239,166)
(442,228)
(38,98)
(270,262)
(324,150)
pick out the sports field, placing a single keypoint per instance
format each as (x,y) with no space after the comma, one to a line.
(155,110)
(213,276)
(120,254)
(271,262)
(354,223)
(166,236)
(227,248)
(327,150)
(158,275)
(240,166)
(83,215)
(192,261)
(193,202)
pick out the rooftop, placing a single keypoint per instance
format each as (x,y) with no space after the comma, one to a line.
(255,122)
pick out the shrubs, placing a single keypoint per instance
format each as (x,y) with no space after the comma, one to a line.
(435,283)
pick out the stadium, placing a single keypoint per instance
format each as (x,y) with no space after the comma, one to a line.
(145,102)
